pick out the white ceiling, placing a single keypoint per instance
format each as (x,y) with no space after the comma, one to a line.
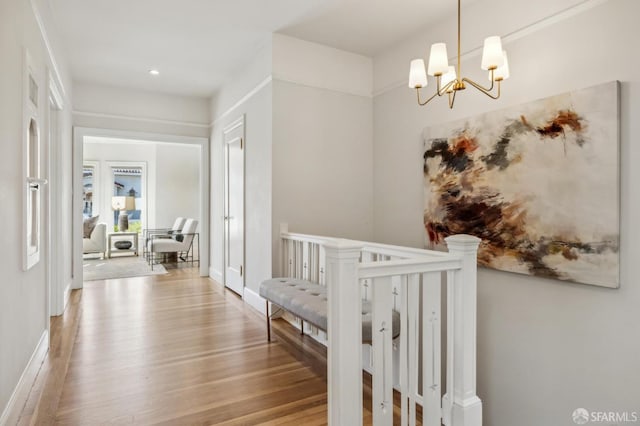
(197,44)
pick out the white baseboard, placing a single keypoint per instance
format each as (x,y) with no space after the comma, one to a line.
(21,391)
(254,300)
(66,294)
(215,275)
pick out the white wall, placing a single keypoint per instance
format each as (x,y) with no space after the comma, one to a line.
(23,315)
(545,347)
(322,141)
(172,182)
(322,163)
(104,107)
(177,183)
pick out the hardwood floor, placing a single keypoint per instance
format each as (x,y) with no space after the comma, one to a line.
(176,350)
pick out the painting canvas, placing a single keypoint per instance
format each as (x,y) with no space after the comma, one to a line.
(538,183)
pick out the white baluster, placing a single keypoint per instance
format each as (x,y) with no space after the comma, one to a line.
(285,250)
(413,300)
(404,336)
(431,335)
(322,266)
(344,352)
(382,333)
(306,263)
(461,399)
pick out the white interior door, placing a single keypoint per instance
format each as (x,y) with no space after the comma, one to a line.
(234,206)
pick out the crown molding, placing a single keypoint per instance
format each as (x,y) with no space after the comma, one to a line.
(251,93)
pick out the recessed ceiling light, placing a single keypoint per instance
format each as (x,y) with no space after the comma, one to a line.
(154,72)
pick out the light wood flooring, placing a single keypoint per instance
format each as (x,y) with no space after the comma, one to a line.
(175,349)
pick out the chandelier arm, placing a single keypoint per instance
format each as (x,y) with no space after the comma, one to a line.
(486,91)
(440,92)
(452,98)
(478,86)
(427,101)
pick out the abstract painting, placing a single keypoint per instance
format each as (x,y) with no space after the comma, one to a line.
(538,183)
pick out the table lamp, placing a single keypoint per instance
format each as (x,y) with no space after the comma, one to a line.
(123,204)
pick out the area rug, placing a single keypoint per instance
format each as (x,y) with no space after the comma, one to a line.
(120,267)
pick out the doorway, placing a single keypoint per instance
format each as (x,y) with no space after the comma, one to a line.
(234,206)
(150,171)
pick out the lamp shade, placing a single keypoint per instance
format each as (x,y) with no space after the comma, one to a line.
(417,74)
(123,203)
(438,59)
(492,53)
(502,72)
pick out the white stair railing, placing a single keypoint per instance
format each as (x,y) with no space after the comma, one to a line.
(409,281)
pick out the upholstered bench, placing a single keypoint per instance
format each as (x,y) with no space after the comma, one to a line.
(308,301)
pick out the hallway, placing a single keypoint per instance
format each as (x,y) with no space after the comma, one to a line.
(174,349)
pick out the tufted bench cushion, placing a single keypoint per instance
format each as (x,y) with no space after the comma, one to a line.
(308,301)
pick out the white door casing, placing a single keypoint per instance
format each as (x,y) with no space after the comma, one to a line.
(58,287)
(80,133)
(234,206)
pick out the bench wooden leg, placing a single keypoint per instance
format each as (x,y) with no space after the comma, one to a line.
(268,323)
(301,327)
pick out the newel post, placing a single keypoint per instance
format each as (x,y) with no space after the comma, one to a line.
(344,307)
(464,406)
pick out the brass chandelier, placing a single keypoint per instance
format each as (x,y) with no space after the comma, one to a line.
(494,59)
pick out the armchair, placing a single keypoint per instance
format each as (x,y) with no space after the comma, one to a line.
(162,232)
(180,243)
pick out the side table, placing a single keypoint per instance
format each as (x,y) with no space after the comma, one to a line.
(113,237)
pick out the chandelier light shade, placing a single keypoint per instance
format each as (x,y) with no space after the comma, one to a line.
(438,60)
(502,72)
(492,53)
(417,76)
(449,80)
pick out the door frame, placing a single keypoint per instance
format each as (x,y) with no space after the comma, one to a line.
(58,291)
(233,125)
(79,134)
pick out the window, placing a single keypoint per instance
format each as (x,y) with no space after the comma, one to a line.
(127,182)
(88,190)
(31,168)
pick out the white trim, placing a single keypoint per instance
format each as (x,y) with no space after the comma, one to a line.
(21,391)
(56,91)
(254,300)
(283,79)
(234,124)
(47,44)
(55,292)
(513,36)
(215,275)
(140,136)
(144,119)
(244,99)
(67,293)
(362,94)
